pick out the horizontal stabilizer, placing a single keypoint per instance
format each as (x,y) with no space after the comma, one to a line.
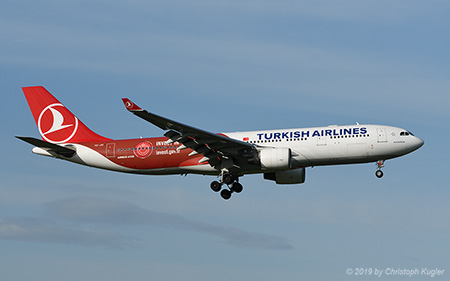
(50,147)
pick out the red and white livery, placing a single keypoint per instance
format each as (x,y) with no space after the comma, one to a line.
(281,155)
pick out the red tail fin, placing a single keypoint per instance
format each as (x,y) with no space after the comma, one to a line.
(55,122)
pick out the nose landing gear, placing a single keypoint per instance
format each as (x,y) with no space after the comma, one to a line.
(380,165)
(379,173)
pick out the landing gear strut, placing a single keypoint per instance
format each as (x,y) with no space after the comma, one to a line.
(380,165)
(232,183)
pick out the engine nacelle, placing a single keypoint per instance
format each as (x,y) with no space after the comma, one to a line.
(287,177)
(275,158)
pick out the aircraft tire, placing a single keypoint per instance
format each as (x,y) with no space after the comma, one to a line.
(216,186)
(226,194)
(227,179)
(237,187)
(379,174)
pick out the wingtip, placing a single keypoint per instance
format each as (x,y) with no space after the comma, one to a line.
(32,87)
(131,106)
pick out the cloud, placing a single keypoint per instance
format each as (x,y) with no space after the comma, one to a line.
(42,230)
(115,213)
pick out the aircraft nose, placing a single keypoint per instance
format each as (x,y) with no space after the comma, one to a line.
(418,142)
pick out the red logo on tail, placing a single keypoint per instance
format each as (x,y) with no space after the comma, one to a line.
(56,124)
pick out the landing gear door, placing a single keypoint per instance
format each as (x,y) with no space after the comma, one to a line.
(381,135)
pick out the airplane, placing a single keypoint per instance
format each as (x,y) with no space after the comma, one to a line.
(280,155)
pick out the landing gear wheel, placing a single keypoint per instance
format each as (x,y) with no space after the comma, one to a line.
(227,179)
(226,194)
(216,186)
(237,187)
(379,174)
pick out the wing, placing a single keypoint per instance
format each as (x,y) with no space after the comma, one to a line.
(218,150)
(50,147)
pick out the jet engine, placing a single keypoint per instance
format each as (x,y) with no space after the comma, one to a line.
(287,177)
(275,158)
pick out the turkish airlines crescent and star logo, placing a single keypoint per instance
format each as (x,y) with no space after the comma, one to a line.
(129,104)
(56,124)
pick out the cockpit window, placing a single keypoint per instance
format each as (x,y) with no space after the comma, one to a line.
(406,134)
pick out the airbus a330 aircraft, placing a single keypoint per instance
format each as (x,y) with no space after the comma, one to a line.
(281,155)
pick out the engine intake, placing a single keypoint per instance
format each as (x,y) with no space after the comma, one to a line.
(275,158)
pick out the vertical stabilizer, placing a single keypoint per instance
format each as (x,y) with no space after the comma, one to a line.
(55,122)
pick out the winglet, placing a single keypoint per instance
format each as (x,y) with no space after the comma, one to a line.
(130,105)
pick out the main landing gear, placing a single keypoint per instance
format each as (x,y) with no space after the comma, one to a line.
(232,184)
(380,165)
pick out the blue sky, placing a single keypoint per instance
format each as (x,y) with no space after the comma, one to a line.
(225,66)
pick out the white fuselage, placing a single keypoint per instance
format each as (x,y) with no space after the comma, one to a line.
(332,145)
